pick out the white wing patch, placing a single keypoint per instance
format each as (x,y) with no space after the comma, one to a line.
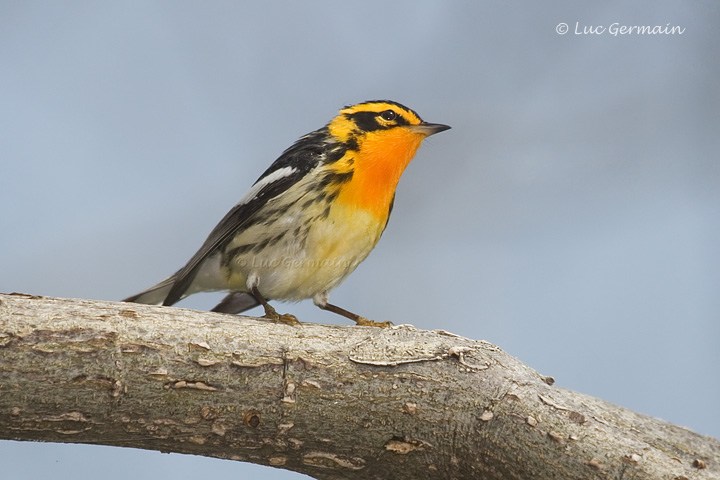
(265,181)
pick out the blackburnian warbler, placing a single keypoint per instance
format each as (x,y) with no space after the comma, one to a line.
(310,219)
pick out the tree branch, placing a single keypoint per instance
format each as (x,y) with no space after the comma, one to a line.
(328,401)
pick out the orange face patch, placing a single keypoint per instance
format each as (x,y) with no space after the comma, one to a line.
(379,162)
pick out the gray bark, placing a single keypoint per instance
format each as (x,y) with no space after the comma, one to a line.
(329,401)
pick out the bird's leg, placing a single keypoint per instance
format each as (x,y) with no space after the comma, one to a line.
(270,312)
(321,301)
(361,321)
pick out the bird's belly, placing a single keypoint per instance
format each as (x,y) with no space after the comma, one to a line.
(312,257)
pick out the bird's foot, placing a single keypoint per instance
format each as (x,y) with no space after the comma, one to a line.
(364,322)
(286,318)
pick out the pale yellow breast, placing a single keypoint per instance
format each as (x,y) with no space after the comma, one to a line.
(313,251)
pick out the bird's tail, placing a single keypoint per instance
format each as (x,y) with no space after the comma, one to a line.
(236,302)
(154,295)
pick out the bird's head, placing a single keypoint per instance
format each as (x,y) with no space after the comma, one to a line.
(381,120)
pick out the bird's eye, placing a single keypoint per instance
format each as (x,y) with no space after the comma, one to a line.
(388,115)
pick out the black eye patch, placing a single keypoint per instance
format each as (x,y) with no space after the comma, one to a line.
(372,121)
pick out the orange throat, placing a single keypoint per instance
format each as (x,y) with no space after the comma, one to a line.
(377,167)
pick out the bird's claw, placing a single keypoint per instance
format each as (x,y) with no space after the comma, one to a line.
(286,318)
(364,322)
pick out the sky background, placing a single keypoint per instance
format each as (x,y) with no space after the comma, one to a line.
(571,216)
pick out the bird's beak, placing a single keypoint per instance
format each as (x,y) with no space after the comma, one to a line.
(428,129)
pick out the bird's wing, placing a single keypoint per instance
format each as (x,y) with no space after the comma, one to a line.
(294,164)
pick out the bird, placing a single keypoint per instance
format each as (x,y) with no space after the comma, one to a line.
(310,219)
